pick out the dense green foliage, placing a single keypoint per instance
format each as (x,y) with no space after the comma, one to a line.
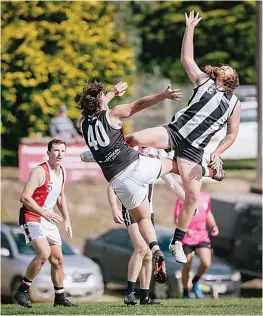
(49,49)
(226,34)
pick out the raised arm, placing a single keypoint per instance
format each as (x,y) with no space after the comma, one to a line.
(34,180)
(126,110)
(187,52)
(117,91)
(231,134)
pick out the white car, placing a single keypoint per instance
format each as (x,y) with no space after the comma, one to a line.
(83,279)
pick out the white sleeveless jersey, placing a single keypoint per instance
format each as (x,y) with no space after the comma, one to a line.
(45,195)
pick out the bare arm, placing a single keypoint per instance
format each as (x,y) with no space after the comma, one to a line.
(116,213)
(211,222)
(34,180)
(232,129)
(187,52)
(63,208)
(126,110)
(117,91)
(174,186)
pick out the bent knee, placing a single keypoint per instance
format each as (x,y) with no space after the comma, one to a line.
(148,255)
(43,256)
(191,198)
(141,250)
(56,261)
(206,264)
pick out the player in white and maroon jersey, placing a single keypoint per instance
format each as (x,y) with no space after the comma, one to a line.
(43,190)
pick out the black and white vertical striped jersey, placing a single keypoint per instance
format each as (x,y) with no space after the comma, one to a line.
(206,113)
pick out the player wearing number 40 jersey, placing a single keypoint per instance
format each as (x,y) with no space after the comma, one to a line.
(122,166)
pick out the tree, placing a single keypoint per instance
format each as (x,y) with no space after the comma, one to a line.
(226,34)
(49,50)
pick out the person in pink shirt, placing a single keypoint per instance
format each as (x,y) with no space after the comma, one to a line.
(197,240)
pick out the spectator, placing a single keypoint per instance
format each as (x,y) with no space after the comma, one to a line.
(61,126)
(197,240)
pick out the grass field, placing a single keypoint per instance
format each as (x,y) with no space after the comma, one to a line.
(249,306)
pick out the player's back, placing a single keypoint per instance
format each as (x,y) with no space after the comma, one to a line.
(107,144)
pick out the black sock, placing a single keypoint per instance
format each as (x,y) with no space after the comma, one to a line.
(196,279)
(25,284)
(131,287)
(143,294)
(59,292)
(185,292)
(178,235)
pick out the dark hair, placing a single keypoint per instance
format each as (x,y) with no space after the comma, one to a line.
(90,101)
(55,141)
(229,80)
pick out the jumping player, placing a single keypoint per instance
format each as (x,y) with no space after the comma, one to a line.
(122,166)
(212,106)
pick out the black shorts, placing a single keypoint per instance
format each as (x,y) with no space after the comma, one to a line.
(128,219)
(181,147)
(189,248)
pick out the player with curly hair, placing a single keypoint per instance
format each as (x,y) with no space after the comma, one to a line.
(212,106)
(125,169)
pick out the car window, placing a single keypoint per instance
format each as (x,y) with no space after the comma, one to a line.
(27,249)
(248,116)
(5,243)
(118,237)
(251,222)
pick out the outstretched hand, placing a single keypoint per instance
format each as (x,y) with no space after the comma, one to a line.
(192,19)
(120,88)
(173,94)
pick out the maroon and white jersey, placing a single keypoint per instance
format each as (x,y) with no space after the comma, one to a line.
(46,194)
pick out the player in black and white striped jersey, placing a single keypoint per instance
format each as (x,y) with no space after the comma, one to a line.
(212,106)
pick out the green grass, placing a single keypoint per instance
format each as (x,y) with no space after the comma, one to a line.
(232,164)
(249,306)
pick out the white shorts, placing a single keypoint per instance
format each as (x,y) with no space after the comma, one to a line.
(131,185)
(34,230)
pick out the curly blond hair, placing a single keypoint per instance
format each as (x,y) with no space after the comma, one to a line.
(226,74)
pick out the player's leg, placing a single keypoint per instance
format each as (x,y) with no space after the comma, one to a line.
(145,277)
(34,235)
(203,250)
(136,260)
(186,268)
(191,174)
(57,269)
(156,137)
(141,214)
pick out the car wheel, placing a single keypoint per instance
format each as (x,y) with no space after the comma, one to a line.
(14,286)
